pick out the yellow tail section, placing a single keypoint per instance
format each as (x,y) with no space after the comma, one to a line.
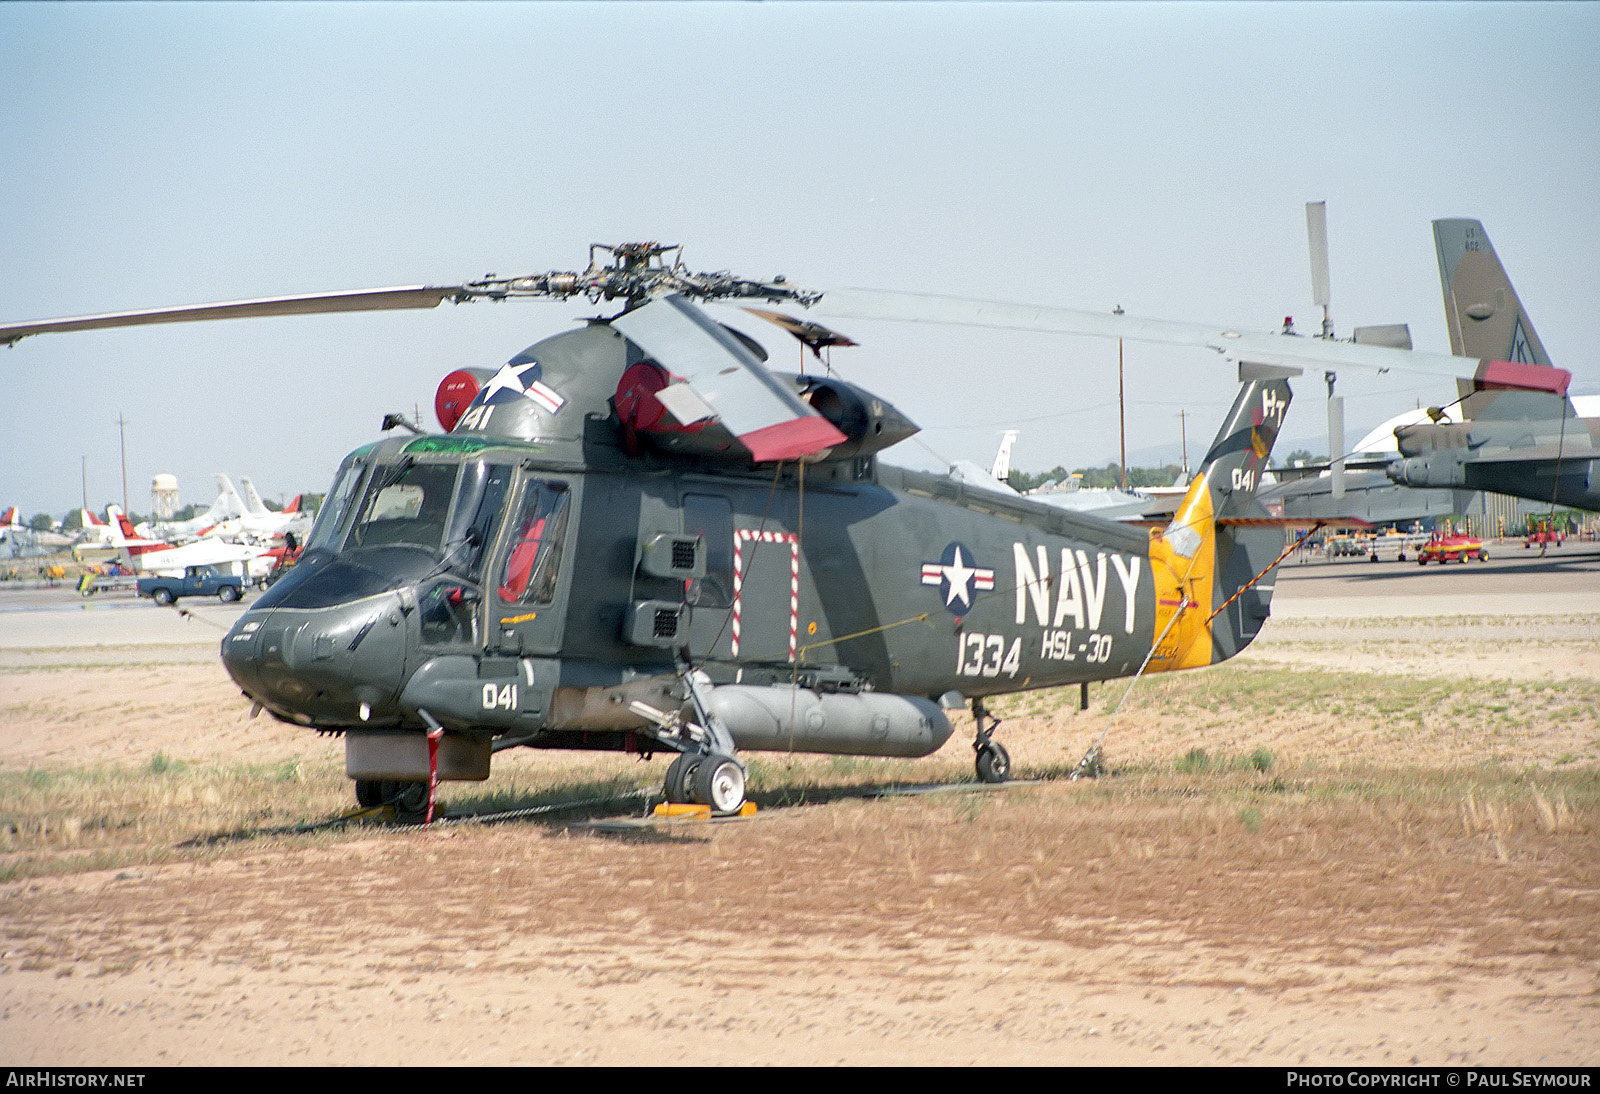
(1183,559)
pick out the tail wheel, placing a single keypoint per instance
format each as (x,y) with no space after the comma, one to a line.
(719,783)
(994,763)
(410,799)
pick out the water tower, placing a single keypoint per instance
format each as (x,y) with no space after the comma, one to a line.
(164,496)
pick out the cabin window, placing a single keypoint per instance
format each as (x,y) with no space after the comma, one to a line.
(533,561)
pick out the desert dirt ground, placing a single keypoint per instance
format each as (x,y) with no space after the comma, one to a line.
(1369,840)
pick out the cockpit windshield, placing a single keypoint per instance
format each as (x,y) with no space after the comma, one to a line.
(406,503)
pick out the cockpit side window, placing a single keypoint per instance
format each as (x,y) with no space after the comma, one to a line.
(405,504)
(533,561)
(481,497)
(331,517)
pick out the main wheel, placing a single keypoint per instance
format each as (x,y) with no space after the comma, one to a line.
(227,594)
(369,793)
(163,597)
(719,783)
(410,800)
(994,763)
(679,783)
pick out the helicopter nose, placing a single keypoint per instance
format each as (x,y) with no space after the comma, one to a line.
(337,666)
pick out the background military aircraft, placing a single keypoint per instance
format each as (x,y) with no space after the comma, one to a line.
(1528,444)
(1539,445)
(19,540)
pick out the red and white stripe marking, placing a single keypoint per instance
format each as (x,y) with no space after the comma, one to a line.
(740,535)
(545,395)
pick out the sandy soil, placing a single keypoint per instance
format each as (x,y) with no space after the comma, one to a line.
(1146,918)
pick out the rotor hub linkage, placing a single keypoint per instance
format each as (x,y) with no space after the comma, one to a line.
(636,272)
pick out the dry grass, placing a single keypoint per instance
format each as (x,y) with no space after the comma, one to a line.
(1251,852)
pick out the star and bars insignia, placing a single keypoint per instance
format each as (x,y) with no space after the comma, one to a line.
(515,381)
(958,580)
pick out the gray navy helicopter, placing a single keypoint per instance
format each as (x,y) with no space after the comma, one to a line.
(634,536)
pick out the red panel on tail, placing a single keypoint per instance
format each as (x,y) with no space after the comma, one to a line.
(1515,376)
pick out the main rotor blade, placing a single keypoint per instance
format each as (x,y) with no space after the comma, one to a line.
(1286,351)
(413,296)
(726,380)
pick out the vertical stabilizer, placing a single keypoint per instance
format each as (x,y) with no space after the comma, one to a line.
(222,507)
(1200,567)
(121,527)
(1480,307)
(235,502)
(1002,457)
(257,508)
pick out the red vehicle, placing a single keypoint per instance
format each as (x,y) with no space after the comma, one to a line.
(1544,535)
(1452,547)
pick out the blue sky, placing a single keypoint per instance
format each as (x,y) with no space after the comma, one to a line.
(1153,156)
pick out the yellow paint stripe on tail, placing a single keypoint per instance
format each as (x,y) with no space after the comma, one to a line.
(1184,582)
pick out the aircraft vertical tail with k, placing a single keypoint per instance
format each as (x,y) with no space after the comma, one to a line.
(1209,563)
(1481,308)
(1486,320)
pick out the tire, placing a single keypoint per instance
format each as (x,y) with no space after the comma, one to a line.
(994,763)
(227,594)
(719,783)
(163,597)
(1483,556)
(369,793)
(678,786)
(410,800)
(1422,560)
